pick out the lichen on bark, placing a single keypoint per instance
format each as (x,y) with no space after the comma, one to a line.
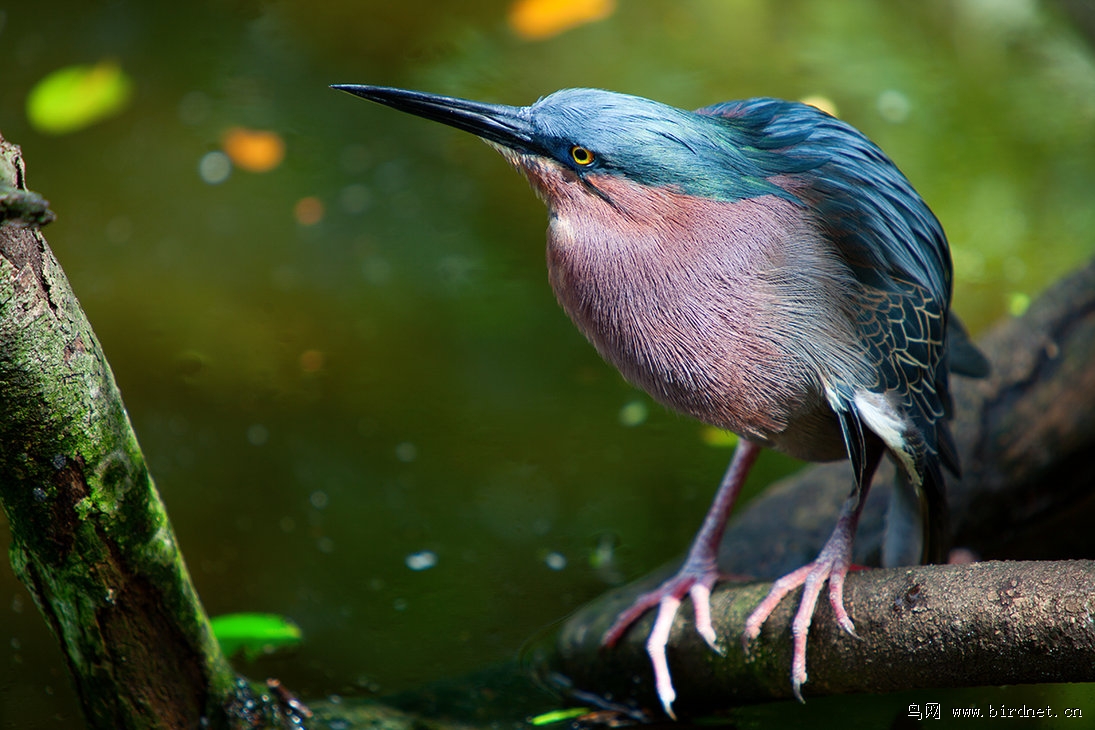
(90,537)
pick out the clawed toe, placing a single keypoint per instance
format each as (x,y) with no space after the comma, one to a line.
(668,597)
(812,578)
(696,578)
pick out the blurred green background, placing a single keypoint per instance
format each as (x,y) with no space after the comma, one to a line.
(360,402)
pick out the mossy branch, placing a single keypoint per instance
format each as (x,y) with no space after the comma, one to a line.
(989,623)
(1026,435)
(90,537)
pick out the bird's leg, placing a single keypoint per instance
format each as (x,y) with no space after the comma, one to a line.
(696,577)
(832,564)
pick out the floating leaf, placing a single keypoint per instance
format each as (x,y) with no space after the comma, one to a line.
(554,716)
(254,150)
(255,633)
(539,19)
(75,97)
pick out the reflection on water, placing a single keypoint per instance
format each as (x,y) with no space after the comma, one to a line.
(332,326)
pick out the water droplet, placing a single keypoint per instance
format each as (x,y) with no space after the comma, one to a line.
(194,108)
(215,167)
(257,434)
(633,414)
(893,106)
(406,452)
(422,560)
(355,198)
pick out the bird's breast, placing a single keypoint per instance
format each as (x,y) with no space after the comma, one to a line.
(688,298)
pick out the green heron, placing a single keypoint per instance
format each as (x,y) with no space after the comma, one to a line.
(765,268)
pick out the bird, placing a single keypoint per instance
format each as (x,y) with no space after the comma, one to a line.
(763,267)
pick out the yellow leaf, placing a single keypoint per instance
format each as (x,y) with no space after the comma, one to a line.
(823,103)
(75,97)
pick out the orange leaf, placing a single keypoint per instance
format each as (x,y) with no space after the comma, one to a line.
(254,150)
(539,19)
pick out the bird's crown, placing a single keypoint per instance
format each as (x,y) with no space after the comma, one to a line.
(593,131)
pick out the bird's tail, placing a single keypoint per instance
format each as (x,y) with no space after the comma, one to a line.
(964,358)
(917,520)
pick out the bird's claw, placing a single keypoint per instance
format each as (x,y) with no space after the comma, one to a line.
(655,649)
(695,578)
(831,566)
(701,606)
(667,597)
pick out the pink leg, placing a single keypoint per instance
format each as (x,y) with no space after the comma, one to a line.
(695,578)
(832,564)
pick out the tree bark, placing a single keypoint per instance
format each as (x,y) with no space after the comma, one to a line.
(1026,435)
(90,537)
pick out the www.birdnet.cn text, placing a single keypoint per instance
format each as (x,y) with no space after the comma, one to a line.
(935,711)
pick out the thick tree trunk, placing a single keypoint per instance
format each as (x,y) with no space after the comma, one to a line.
(90,537)
(1026,436)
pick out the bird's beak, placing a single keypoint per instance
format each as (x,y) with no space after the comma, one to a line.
(508,126)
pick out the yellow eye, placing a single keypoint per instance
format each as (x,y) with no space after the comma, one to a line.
(581,155)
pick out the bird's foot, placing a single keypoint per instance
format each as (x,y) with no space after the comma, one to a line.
(692,580)
(832,565)
(695,578)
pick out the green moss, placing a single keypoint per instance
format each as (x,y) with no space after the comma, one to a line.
(90,537)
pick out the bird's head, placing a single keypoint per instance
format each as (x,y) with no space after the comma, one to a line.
(579,142)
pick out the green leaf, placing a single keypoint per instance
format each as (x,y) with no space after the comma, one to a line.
(75,97)
(555,716)
(255,633)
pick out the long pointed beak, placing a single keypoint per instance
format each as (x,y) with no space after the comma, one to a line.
(509,126)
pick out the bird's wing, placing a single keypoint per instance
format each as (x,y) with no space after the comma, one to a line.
(895,247)
(878,225)
(884,228)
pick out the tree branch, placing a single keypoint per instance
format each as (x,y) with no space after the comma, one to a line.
(90,537)
(931,626)
(1025,436)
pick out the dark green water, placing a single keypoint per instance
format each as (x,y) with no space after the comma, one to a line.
(321,404)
